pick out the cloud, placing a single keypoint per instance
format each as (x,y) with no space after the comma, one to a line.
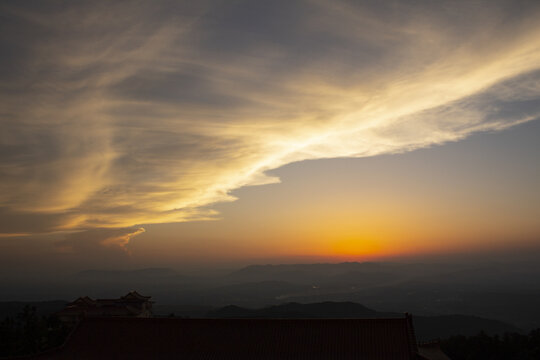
(121,240)
(125,114)
(98,241)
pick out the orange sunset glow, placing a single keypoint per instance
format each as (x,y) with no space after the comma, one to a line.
(202,133)
(270,179)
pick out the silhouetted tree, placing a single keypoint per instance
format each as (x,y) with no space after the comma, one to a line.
(30,333)
(512,346)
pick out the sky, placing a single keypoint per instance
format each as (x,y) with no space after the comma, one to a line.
(145,133)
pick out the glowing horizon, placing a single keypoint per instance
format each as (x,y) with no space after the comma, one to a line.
(118,117)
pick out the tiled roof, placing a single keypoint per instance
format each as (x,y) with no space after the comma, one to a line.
(163,338)
(136,295)
(83,300)
(131,304)
(102,311)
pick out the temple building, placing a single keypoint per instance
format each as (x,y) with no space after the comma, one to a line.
(130,305)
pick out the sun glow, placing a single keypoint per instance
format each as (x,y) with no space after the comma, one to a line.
(357,247)
(111,124)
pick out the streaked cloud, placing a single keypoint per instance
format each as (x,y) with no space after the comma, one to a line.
(139,113)
(96,240)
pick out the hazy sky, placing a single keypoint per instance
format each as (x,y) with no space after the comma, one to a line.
(372,128)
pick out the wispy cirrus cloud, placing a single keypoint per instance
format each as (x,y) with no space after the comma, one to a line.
(91,241)
(124,114)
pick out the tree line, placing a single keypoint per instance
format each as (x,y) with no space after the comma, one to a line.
(28,333)
(510,346)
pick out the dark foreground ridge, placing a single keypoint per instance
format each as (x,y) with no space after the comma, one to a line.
(164,338)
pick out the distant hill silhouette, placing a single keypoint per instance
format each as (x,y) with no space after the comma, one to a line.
(323,310)
(427,327)
(366,273)
(485,276)
(509,292)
